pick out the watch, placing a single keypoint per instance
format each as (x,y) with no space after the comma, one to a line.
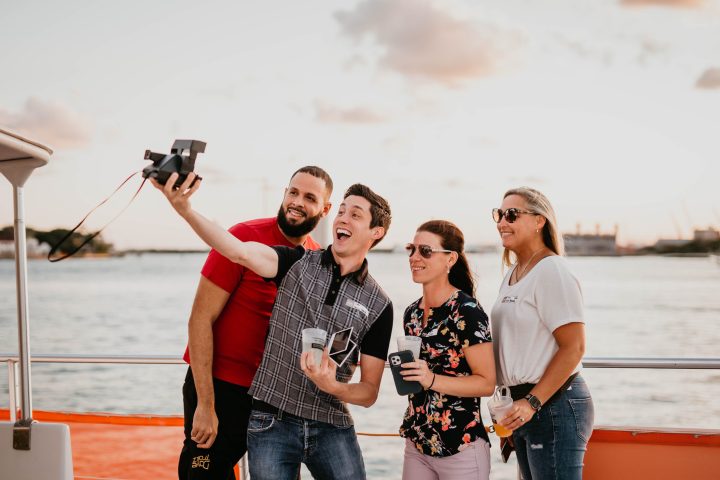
(533,401)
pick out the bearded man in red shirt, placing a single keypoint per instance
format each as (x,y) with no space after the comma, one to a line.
(227,330)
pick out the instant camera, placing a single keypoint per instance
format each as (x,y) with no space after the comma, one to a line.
(181,160)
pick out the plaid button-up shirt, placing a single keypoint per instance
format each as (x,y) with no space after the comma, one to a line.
(300,304)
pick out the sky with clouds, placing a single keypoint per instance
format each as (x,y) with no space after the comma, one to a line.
(610,107)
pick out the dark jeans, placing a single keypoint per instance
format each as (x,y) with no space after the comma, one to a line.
(279,443)
(232,406)
(552,445)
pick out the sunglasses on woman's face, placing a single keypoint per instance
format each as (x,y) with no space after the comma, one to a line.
(425,251)
(511,214)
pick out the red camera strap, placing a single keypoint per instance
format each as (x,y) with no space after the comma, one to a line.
(93,235)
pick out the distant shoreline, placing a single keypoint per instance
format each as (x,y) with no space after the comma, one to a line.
(162,251)
(104,256)
(122,253)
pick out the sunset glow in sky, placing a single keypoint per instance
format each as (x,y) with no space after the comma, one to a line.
(610,107)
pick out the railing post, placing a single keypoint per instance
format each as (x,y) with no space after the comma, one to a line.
(12,389)
(22,305)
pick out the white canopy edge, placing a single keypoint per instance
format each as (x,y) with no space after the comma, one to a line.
(12,142)
(20,156)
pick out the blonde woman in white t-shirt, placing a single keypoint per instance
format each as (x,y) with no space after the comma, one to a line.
(539,339)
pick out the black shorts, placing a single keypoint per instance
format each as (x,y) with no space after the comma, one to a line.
(232,406)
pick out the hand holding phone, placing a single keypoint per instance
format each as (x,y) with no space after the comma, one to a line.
(403,387)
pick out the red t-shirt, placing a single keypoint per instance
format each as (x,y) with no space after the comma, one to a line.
(240,330)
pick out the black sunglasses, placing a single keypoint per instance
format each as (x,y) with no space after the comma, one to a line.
(425,251)
(511,214)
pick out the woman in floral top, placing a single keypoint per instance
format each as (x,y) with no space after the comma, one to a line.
(445,436)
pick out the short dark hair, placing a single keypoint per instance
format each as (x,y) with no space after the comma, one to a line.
(379,207)
(318,173)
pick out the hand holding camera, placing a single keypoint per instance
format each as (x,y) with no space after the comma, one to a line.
(179,196)
(173,174)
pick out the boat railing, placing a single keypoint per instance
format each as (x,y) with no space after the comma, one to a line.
(671,363)
(11,360)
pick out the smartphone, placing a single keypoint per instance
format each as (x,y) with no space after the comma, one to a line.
(402,386)
(506,449)
(341,346)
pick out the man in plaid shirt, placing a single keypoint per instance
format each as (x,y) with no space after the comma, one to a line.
(299,408)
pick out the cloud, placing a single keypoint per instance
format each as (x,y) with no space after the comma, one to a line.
(50,123)
(709,79)
(663,3)
(421,40)
(325,113)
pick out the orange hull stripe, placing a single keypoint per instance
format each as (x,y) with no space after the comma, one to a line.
(103,418)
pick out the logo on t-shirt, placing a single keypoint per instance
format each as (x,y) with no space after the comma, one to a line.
(357,306)
(201,462)
(509,299)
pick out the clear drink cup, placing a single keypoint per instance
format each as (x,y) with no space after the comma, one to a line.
(313,340)
(499,405)
(409,342)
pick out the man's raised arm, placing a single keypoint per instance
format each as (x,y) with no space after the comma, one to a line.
(258,257)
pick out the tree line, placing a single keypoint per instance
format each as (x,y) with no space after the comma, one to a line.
(52,237)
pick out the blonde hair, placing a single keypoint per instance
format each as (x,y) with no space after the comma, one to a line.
(538,203)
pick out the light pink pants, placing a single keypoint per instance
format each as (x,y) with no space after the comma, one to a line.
(473,463)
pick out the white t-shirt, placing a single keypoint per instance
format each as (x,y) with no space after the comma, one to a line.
(525,315)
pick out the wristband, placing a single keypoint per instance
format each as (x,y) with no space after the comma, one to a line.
(431,383)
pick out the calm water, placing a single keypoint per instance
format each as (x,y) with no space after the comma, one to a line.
(635,306)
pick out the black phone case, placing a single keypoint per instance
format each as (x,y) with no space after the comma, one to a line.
(402,386)
(506,449)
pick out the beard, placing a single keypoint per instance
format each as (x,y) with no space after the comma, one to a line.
(298,230)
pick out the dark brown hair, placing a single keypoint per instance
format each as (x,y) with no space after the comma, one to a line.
(452,238)
(379,207)
(318,173)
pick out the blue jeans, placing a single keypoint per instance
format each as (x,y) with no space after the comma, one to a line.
(552,445)
(278,443)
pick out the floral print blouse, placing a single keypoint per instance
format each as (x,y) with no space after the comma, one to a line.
(441,425)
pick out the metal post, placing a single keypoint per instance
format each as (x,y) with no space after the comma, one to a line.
(12,390)
(22,305)
(18,158)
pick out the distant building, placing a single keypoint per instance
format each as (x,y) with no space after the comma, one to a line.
(34,248)
(7,249)
(591,244)
(706,236)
